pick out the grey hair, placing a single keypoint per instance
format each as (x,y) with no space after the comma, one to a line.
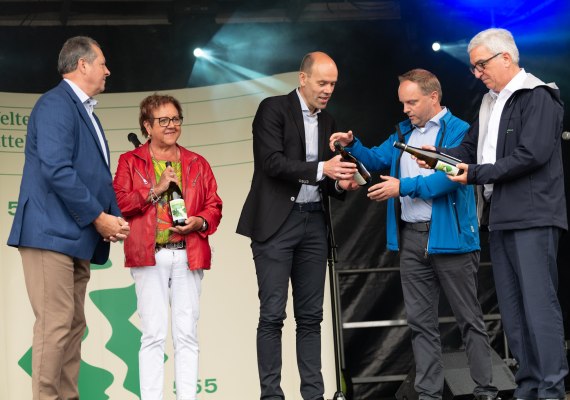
(74,49)
(497,41)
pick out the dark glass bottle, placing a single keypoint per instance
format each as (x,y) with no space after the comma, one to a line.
(176,202)
(435,159)
(362,176)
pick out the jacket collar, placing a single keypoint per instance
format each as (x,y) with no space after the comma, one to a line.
(84,115)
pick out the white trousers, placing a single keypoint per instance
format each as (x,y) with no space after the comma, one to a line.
(169,282)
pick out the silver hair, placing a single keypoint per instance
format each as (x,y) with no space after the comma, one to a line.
(74,49)
(497,41)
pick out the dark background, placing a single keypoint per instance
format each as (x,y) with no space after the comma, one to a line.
(149,44)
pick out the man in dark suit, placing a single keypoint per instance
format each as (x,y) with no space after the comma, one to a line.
(67,214)
(286,216)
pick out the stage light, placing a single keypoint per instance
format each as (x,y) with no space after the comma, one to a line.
(435,46)
(198,52)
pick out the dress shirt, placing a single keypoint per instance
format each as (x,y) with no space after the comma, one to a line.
(89,103)
(489,153)
(416,209)
(310,193)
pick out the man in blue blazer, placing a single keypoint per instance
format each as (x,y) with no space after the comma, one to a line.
(67,214)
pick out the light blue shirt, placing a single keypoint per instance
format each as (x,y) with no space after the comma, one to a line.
(310,193)
(89,103)
(416,209)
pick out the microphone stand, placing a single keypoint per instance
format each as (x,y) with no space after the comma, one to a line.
(332,259)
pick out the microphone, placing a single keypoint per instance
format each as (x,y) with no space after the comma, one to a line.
(134,139)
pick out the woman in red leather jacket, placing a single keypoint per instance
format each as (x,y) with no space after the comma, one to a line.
(167,261)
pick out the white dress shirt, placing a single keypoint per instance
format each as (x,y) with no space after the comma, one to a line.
(310,193)
(489,152)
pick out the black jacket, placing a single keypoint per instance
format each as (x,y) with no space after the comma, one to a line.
(528,175)
(280,167)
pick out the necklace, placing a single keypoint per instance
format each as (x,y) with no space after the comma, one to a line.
(175,160)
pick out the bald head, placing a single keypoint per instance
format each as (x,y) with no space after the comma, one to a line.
(315,57)
(317,78)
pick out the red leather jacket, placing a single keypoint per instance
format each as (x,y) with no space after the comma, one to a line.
(134,178)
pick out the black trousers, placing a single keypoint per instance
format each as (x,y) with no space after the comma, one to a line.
(297,252)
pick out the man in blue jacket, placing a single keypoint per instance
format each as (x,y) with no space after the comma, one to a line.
(434,226)
(67,214)
(513,151)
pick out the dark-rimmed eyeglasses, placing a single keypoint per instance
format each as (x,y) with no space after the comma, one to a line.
(480,66)
(165,121)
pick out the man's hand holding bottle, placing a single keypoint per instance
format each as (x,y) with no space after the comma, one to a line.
(344,138)
(461,178)
(337,143)
(338,169)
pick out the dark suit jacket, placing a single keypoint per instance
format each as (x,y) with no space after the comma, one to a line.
(66,182)
(280,167)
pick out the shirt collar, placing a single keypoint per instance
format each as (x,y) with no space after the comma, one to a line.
(514,84)
(304,107)
(89,102)
(434,121)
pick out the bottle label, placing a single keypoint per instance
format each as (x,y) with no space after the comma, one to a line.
(447,168)
(359,179)
(178,210)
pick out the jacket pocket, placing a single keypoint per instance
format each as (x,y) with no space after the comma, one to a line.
(58,221)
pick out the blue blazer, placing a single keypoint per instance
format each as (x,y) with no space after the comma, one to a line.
(66,182)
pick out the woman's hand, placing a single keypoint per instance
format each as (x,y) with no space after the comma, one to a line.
(193,224)
(168,175)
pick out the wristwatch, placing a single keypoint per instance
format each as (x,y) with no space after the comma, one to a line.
(204,225)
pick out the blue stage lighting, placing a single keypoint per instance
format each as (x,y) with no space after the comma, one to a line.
(436,46)
(198,52)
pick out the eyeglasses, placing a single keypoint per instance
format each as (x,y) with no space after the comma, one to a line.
(165,121)
(480,66)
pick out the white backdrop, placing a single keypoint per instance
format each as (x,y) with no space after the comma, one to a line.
(217,124)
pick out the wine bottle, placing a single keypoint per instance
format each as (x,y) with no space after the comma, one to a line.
(435,159)
(362,176)
(176,202)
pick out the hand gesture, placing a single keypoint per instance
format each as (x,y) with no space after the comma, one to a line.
(343,137)
(193,224)
(337,169)
(460,178)
(167,176)
(388,188)
(111,228)
(348,184)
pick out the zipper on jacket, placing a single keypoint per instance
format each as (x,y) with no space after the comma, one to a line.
(443,130)
(455,214)
(195,179)
(142,177)
(188,171)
